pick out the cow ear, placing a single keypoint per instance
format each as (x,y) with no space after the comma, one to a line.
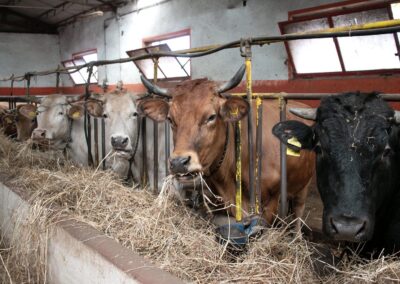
(156,109)
(295,134)
(234,109)
(94,108)
(75,111)
(27,110)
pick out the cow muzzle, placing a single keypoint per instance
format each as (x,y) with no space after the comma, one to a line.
(185,167)
(121,144)
(39,134)
(350,228)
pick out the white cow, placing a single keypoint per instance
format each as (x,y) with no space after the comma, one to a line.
(61,122)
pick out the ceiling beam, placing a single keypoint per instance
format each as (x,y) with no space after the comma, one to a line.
(108,3)
(30,24)
(53,10)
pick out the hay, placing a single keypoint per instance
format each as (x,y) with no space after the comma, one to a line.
(162,230)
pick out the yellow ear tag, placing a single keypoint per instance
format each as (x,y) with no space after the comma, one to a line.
(8,120)
(290,152)
(76,114)
(32,114)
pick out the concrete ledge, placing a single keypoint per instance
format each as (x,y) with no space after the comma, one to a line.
(78,253)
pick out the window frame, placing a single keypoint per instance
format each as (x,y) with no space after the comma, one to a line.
(79,55)
(329,11)
(185,32)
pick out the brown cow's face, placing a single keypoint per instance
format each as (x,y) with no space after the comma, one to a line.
(198,119)
(25,121)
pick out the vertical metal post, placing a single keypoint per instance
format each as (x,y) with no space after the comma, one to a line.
(87,121)
(155,138)
(144,153)
(167,146)
(96,141)
(247,54)
(58,80)
(283,208)
(238,159)
(103,142)
(259,122)
(11,102)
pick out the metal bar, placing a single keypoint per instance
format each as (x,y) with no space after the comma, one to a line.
(250,131)
(96,141)
(89,139)
(103,142)
(259,153)
(155,138)
(283,204)
(238,176)
(384,27)
(167,146)
(302,96)
(144,154)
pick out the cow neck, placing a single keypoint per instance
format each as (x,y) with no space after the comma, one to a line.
(215,167)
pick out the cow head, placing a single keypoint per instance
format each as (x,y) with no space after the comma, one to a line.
(198,115)
(120,117)
(355,139)
(54,117)
(25,121)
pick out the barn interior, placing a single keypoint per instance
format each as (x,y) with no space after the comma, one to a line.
(44,35)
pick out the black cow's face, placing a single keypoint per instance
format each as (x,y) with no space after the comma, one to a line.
(355,145)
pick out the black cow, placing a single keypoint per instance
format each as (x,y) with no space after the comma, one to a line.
(356,141)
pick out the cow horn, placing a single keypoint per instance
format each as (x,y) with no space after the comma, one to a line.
(397,116)
(232,83)
(306,113)
(155,89)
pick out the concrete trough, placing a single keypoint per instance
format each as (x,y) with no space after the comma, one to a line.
(78,253)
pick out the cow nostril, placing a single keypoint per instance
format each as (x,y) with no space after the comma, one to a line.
(42,134)
(186,160)
(125,141)
(362,229)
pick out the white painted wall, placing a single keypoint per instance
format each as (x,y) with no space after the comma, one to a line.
(210,21)
(20,53)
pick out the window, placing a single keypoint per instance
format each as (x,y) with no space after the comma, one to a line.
(376,54)
(168,67)
(80,77)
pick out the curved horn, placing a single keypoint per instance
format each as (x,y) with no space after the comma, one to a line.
(155,89)
(232,83)
(306,113)
(397,116)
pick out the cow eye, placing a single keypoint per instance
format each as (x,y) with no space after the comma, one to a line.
(135,114)
(211,118)
(105,115)
(60,113)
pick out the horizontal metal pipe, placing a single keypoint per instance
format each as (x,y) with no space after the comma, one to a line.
(303,96)
(385,27)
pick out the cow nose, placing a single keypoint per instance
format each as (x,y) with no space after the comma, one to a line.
(39,134)
(349,228)
(119,142)
(179,164)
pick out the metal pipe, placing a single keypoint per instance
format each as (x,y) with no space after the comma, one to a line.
(144,153)
(259,157)
(167,146)
(155,137)
(238,176)
(303,96)
(392,26)
(96,141)
(103,142)
(247,53)
(283,204)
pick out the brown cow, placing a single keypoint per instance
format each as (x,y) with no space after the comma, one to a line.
(19,122)
(200,118)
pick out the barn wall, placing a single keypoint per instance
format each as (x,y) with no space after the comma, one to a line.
(210,22)
(20,53)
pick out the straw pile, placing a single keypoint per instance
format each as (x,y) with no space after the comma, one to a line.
(167,234)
